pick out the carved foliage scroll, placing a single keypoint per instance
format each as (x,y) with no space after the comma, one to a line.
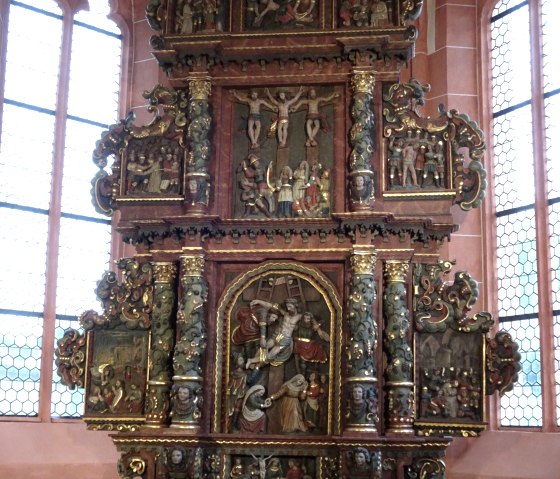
(70,358)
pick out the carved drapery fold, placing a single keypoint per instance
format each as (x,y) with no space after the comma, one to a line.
(399,385)
(361,344)
(186,392)
(159,383)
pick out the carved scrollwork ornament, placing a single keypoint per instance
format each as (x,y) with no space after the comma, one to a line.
(503,363)
(155,14)
(410,10)
(426,468)
(446,150)
(131,466)
(129,303)
(439,305)
(70,358)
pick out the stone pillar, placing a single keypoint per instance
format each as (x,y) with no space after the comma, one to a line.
(198,140)
(399,385)
(159,383)
(361,345)
(362,139)
(186,395)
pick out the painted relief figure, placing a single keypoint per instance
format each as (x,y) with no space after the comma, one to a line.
(116,387)
(282,106)
(284,165)
(416,160)
(255,116)
(153,167)
(314,120)
(282,385)
(273,467)
(280,14)
(192,16)
(450,383)
(363,13)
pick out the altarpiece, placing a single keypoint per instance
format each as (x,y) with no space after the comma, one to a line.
(287,313)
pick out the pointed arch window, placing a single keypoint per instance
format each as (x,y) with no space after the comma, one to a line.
(60,72)
(526,124)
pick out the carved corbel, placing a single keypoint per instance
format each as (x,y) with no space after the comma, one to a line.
(361,344)
(399,383)
(186,394)
(361,186)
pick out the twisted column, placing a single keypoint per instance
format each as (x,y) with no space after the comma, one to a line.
(186,395)
(362,134)
(199,146)
(361,345)
(159,383)
(399,386)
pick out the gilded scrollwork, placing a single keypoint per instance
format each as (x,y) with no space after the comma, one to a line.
(502,363)
(426,468)
(129,302)
(439,305)
(70,358)
(432,153)
(398,373)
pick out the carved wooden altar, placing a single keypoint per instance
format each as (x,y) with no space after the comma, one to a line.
(287,314)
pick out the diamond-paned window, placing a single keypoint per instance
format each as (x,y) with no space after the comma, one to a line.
(525,93)
(57,245)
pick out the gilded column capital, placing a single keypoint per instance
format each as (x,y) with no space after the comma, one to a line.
(192,265)
(164,272)
(363,261)
(363,81)
(395,271)
(200,88)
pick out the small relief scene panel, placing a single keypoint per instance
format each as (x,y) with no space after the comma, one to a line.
(200,16)
(152,167)
(117,375)
(417,160)
(283,152)
(365,13)
(281,14)
(273,467)
(280,353)
(450,376)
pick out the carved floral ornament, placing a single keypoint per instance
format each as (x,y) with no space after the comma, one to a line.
(363,82)
(396,271)
(363,261)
